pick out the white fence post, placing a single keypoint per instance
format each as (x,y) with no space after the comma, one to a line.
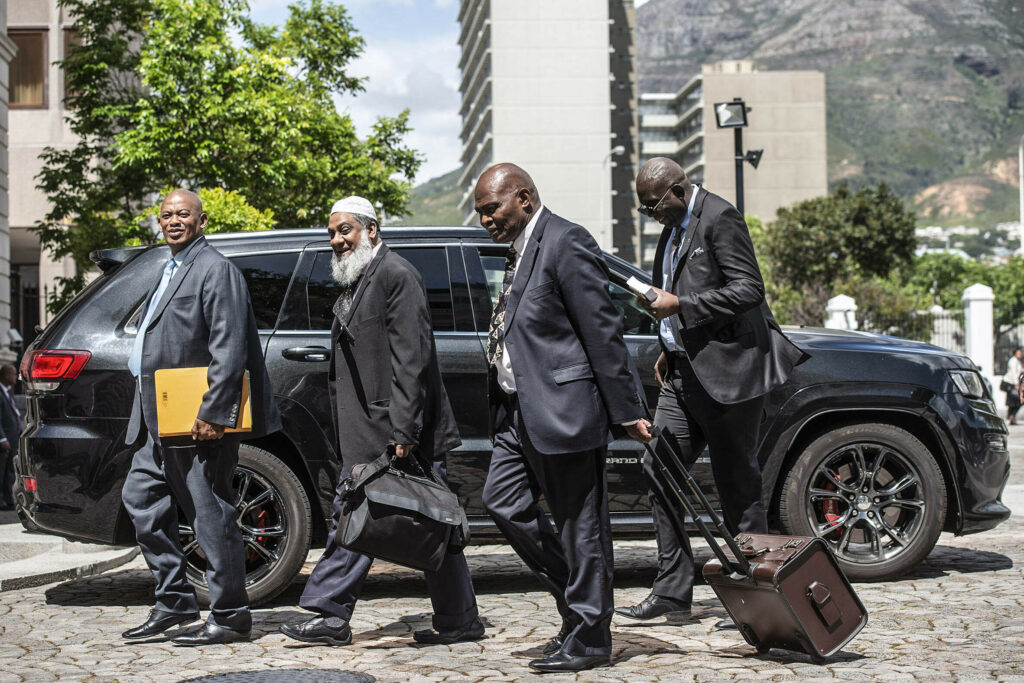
(841,313)
(978,334)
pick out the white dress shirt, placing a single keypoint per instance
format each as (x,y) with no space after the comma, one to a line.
(506,379)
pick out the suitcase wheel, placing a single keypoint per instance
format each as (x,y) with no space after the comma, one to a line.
(763,649)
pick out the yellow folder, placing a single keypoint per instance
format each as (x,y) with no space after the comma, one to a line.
(179,395)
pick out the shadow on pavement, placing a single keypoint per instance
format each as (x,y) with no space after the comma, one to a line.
(945,560)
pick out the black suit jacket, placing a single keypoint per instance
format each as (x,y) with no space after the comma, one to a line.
(385,384)
(573,373)
(737,350)
(204,318)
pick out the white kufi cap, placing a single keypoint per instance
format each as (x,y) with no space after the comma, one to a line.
(355,205)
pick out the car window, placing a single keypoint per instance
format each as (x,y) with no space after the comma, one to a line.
(431,262)
(634,319)
(267,276)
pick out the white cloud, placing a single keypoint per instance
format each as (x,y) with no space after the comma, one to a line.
(418,74)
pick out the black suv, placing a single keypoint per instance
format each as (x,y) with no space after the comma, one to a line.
(876,444)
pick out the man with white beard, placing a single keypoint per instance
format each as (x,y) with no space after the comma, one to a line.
(386,391)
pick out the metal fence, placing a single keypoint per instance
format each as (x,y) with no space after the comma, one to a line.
(941,328)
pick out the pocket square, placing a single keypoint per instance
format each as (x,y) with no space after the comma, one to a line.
(696,252)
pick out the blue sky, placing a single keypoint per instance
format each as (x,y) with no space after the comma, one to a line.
(411,60)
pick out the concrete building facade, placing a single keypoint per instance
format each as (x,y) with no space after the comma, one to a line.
(42,33)
(786,120)
(550,86)
(7,52)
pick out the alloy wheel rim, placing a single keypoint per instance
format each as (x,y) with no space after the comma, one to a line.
(867,501)
(262,521)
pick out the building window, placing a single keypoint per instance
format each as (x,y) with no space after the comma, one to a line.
(71,40)
(28,69)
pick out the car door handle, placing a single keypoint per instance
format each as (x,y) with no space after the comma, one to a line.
(307,354)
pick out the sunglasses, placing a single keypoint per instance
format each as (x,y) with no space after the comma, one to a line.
(649,211)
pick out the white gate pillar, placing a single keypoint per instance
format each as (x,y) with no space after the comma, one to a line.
(841,313)
(978,333)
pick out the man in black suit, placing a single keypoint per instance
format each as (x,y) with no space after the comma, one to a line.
(722,352)
(197,314)
(10,431)
(560,376)
(385,388)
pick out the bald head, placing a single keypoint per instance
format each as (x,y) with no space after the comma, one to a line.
(181,219)
(8,375)
(506,199)
(663,190)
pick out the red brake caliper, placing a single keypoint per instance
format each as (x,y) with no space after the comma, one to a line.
(830,508)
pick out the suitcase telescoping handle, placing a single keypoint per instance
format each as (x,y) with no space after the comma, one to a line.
(740,567)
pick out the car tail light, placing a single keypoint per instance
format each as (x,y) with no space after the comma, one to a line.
(44,370)
(29,483)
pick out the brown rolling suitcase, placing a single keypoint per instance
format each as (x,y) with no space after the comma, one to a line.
(781,591)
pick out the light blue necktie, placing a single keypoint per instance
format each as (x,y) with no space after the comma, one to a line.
(135,359)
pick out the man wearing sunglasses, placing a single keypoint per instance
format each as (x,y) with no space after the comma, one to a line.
(722,352)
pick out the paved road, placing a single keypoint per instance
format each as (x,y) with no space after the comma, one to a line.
(959,616)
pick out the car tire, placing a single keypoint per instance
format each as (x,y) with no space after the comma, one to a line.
(873,492)
(273,501)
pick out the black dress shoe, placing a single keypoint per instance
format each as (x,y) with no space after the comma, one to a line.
(726,623)
(316,630)
(210,634)
(475,631)
(560,661)
(158,622)
(654,606)
(555,644)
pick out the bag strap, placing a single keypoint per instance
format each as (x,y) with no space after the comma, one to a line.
(368,472)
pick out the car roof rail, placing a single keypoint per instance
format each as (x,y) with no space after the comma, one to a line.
(107,259)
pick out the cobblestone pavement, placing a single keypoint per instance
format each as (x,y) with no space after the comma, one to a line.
(958,616)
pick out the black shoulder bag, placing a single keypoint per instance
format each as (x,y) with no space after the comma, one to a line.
(411,519)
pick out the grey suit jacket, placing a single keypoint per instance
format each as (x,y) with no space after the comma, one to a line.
(574,376)
(737,350)
(385,384)
(205,318)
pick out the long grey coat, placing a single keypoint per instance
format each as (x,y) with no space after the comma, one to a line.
(205,318)
(385,383)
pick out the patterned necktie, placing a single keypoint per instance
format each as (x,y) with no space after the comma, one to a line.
(497,331)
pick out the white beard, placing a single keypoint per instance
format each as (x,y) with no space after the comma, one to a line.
(346,269)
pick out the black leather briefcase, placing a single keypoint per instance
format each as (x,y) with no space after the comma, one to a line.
(398,511)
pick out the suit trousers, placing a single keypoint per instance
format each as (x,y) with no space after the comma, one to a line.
(575,565)
(7,475)
(690,420)
(198,479)
(337,580)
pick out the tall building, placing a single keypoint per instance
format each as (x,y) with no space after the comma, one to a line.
(42,33)
(7,52)
(786,120)
(550,86)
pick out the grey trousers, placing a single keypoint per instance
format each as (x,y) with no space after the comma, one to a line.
(689,420)
(575,565)
(337,580)
(198,478)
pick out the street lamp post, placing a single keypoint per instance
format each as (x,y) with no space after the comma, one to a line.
(734,115)
(606,183)
(1020,189)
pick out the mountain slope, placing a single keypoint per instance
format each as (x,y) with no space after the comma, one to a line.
(919,91)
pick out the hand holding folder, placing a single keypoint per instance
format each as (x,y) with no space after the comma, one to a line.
(179,395)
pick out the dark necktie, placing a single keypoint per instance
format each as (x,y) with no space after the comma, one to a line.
(494,337)
(344,303)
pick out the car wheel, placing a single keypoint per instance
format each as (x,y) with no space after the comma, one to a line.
(873,492)
(275,519)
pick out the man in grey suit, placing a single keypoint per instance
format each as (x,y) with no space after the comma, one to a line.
(386,391)
(197,314)
(722,352)
(560,376)
(10,431)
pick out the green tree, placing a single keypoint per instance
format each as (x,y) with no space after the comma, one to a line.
(816,244)
(192,93)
